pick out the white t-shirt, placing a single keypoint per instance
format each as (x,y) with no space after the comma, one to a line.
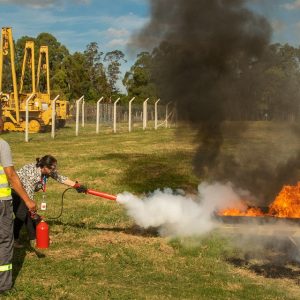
(5,154)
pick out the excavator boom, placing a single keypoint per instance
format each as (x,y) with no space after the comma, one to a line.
(14,102)
(6,48)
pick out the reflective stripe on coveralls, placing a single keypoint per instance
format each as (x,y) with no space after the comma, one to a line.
(5,190)
(7,267)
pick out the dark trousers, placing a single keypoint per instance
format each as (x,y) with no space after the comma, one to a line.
(6,244)
(22,217)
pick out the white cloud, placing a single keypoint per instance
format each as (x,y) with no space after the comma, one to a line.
(297,25)
(117,43)
(140,2)
(101,29)
(292,6)
(44,3)
(115,32)
(278,25)
(129,21)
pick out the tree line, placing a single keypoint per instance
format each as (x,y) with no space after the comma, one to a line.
(264,88)
(271,83)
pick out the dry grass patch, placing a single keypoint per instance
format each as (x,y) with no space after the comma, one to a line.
(119,238)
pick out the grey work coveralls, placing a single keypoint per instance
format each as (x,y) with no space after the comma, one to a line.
(6,220)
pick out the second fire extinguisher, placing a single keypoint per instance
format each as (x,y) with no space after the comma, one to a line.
(42,231)
(42,235)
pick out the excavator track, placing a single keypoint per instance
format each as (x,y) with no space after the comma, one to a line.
(35,126)
(10,126)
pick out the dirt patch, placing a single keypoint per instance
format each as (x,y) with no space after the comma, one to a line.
(273,269)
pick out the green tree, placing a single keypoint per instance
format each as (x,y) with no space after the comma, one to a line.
(96,72)
(279,75)
(74,77)
(138,81)
(113,72)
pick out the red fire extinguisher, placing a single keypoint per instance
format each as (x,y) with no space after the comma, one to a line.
(42,235)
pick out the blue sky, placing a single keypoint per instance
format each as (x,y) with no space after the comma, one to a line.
(284,16)
(75,23)
(110,23)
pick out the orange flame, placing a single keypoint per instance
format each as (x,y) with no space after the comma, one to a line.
(286,205)
(250,212)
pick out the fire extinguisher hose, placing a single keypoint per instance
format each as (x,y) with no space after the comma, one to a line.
(89,191)
(62,204)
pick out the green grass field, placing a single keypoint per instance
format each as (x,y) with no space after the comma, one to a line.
(97,251)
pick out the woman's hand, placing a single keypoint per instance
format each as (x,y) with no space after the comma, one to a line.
(80,188)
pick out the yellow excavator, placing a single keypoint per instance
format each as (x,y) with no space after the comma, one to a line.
(13,103)
(62,107)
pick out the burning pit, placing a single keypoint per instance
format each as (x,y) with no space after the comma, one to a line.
(286,205)
(270,233)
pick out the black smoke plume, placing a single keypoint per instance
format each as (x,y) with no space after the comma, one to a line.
(201,50)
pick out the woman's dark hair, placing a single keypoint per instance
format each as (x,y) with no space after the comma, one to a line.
(46,161)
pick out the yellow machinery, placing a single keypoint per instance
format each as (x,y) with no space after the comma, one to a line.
(14,102)
(62,106)
(9,101)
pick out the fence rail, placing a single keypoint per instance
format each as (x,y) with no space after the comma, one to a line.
(106,113)
(118,116)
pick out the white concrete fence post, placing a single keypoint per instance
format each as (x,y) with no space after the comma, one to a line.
(27,116)
(82,113)
(145,111)
(129,115)
(167,113)
(155,114)
(53,113)
(77,113)
(98,114)
(115,115)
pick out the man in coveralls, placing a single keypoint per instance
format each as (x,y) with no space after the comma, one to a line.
(8,176)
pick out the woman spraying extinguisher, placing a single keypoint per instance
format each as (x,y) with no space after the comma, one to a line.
(34,177)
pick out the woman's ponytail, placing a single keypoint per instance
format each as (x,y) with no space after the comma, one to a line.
(37,162)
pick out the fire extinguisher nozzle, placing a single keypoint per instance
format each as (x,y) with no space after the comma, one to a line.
(101,194)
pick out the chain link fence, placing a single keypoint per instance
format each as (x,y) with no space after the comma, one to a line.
(166,115)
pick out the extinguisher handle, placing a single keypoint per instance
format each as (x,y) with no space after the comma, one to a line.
(35,217)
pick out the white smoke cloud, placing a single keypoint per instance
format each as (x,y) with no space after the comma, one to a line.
(179,215)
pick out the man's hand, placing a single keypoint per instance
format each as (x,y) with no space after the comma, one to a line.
(31,205)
